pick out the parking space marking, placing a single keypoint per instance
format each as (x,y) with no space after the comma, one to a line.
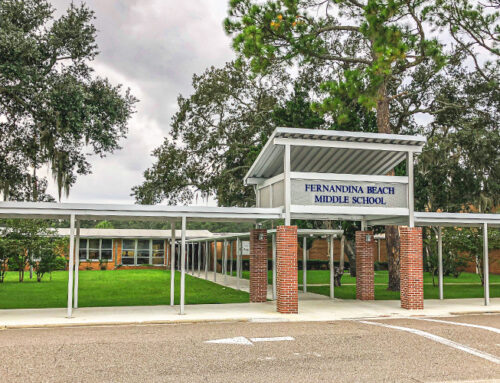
(273,339)
(241,340)
(487,328)
(439,339)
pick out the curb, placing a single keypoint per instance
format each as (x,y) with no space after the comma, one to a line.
(131,323)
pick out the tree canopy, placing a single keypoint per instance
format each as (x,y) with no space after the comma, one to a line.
(53,108)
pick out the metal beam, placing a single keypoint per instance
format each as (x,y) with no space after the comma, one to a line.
(183,265)
(440,262)
(172,263)
(77,263)
(486,266)
(71,264)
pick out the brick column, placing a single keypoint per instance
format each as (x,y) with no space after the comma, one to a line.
(365,285)
(287,284)
(412,268)
(258,265)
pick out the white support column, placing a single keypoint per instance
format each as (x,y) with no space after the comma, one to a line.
(224,261)
(193,257)
(411,202)
(378,250)
(440,263)
(71,264)
(183,265)
(199,259)
(231,258)
(241,259)
(207,259)
(215,261)
(274,266)
(342,245)
(304,264)
(77,263)
(172,263)
(238,256)
(332,268)
(287,185)
(486,266)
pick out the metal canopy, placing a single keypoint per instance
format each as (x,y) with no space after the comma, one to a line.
(456,219)
(331,151)
(82,211)
(132,233)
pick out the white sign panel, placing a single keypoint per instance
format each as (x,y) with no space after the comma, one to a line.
(349,193)
(245,247)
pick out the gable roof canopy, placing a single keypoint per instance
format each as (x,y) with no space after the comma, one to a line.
(332,151)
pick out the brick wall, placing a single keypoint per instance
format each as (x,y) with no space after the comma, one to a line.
(411,264)
(287,286)
(258,265)
(365,287)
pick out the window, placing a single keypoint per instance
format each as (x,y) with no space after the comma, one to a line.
(143,251)
(83,249)
(94,249)
(107,249)
(128,252)
(158,252)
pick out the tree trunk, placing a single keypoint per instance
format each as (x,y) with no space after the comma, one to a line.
(391,232)
(393,246)
(351,255)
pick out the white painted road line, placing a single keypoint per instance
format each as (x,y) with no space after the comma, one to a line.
(487,328)
(435,338)
(274,339)
(241,340)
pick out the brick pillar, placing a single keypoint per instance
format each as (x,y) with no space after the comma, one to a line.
(258,265)
(365,285)
(412,268)
(287,284)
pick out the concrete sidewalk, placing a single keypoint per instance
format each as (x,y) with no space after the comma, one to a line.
(312,307)
(309,310)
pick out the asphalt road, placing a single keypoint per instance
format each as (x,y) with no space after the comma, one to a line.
(340,351)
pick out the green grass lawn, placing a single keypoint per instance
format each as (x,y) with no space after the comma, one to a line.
(467,285)
(112,288)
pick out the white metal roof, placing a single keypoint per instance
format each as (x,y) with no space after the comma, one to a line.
(83,211)
(133,233)
(300,232)
(456,219)
(331,151)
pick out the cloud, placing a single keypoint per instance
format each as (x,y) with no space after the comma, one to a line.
(154,47)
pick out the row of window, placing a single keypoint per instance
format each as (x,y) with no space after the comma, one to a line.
(134,251)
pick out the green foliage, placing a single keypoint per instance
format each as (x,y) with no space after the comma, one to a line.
(53,109)
(22,241)
(371,44)
(104,225)
(222,127)
(459,169)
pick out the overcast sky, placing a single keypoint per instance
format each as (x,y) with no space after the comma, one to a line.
(153,47)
